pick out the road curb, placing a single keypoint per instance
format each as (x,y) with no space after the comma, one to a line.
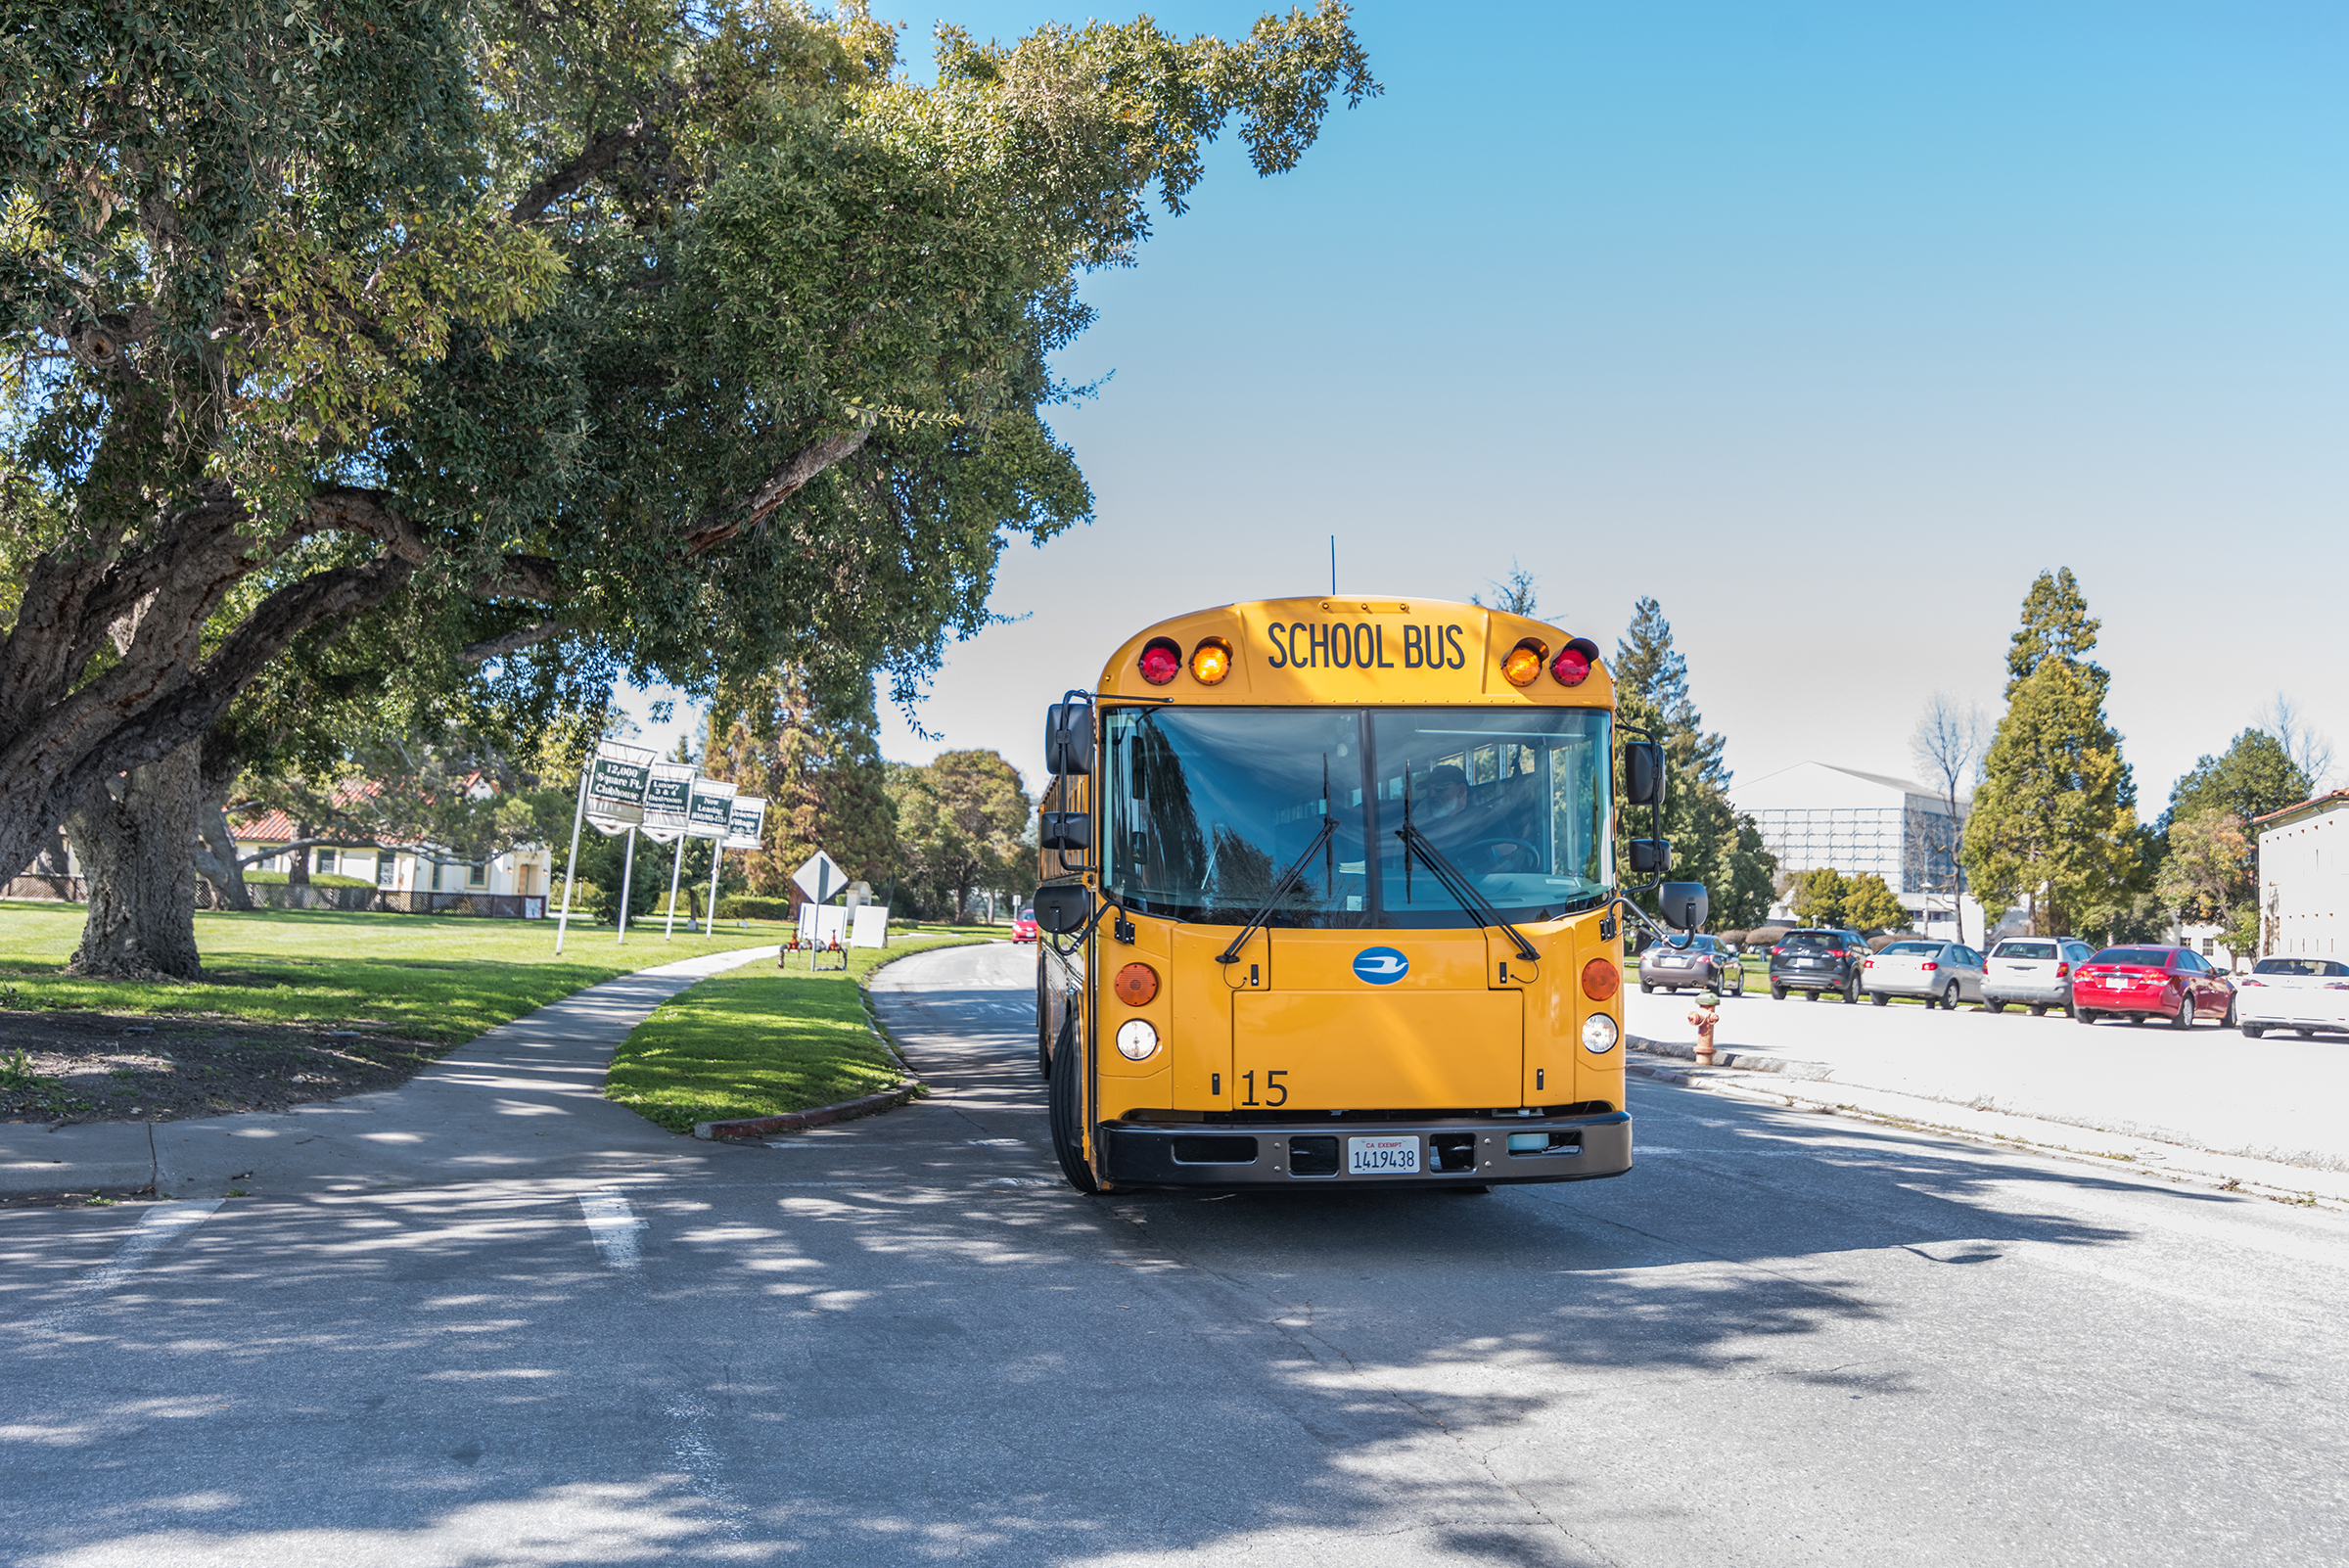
(758,1126)
(1744,1061)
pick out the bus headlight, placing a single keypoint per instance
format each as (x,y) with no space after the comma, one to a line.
(1598,1034)
(1136,1040)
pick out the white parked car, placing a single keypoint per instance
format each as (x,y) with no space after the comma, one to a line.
(2305,994)
(2034,971)
(1945,973)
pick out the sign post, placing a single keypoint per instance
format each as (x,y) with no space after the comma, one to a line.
(611,797)
(627,882)
(707,813)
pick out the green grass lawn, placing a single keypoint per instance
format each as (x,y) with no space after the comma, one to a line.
(443,978)
(761,1044)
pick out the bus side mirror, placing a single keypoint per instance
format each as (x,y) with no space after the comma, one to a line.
(1069,738)
(1642,773)
(1650,857)
(1684,903)
(1071,832)
(1061,910)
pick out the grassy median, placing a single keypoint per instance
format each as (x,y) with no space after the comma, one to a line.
(763,1043)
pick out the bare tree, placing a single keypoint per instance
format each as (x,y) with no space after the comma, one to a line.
(2310,750)
(1947,746)
(1513,594)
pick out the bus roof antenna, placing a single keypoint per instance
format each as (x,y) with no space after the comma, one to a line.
(1333,566)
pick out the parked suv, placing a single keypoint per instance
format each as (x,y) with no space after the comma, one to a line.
(1704,962)
(2034,971)
(1814,959)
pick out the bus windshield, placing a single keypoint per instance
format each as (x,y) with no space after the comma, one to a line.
(1207,809)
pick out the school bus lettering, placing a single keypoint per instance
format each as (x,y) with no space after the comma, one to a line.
(1362,645)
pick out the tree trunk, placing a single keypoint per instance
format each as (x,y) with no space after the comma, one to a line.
(137,842)
(298,863)
(215,845)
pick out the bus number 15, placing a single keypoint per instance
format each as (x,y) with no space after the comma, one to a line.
(1276,1092)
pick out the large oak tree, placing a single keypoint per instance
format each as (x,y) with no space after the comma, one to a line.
(565,340)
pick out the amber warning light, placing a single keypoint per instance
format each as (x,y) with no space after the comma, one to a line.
(1524,663)
(1210,661)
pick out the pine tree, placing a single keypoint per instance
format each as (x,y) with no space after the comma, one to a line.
(820,771)
(1648,667)
(2212,812)
(2054,818)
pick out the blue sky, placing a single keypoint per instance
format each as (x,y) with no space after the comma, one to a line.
(1828,325)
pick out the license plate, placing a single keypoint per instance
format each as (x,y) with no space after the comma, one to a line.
(1382,1156)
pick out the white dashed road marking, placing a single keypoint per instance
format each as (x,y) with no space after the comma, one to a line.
(614,1226)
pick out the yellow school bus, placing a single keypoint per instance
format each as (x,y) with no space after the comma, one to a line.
(1329,897)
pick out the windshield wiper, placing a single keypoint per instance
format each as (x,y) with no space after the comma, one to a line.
(1280,892)
(1455,880)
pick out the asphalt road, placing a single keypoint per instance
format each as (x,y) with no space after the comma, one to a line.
(2279,1097)
(1782,1339)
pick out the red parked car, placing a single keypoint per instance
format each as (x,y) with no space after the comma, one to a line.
(2175,985)
(1022,926)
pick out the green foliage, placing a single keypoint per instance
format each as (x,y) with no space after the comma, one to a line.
(1647,665)
(750,906)
(534,346)
(959,826)
(760,1044)
(2055,814)
(1819,896)
(1868,904)
(819,767)
(1711,842)
(2205,876)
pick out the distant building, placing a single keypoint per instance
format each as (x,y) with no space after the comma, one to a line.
(2304,877)
(1816,814)
(400,868)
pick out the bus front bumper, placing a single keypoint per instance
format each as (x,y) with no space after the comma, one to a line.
(1355,1154)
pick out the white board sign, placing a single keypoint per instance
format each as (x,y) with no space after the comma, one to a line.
(616,776)
(746,822)
(872,926)
(665,794)
(823,924)
(710,808)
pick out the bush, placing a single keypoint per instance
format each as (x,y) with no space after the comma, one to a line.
(751,907)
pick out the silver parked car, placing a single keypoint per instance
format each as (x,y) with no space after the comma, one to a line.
(1942,973)
(1704,962)
(2034,971)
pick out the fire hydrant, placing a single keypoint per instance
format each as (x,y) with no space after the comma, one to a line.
(1704,1016)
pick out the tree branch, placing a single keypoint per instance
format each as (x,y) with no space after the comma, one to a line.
(779,486)
(603,149)
(352,510)
(522,637)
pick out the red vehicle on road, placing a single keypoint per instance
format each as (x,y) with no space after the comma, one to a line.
(1022,926)
(2175,985)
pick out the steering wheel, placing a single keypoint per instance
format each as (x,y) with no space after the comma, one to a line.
(1496,862)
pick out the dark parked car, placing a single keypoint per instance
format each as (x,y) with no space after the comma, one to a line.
(1817,958)
(2175,985)
(1704,962)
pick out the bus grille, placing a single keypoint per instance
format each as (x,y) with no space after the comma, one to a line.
(1214,1151)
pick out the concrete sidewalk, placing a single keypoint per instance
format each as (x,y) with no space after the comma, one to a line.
(524,1099)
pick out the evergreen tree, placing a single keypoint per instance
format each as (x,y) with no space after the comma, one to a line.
(1820,895)
(1711,842)
(1870,905)
(1648,667)
(960,823)
(2055,816)
(819,766)
(1515,595)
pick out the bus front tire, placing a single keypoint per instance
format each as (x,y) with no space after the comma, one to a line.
(1068,1116)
